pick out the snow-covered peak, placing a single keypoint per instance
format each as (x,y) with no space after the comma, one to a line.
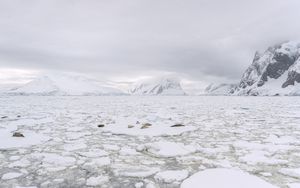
(290,48)
(64,84)
(158,86)
(219,89)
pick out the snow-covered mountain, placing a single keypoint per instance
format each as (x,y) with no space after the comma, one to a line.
(158,86)
(219,89)
(274,72)
(63,84)
(7,87)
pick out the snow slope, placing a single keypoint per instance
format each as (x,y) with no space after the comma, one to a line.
(6,87)
(158,86)
(274,72)
(64,84)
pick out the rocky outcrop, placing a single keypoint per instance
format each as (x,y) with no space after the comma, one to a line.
(293,75)
(256,69)
(282,60)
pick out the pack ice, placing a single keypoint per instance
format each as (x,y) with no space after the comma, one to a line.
(149,142)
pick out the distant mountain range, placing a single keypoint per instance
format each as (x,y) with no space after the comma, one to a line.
(63,84)
(219,89)
(158,86)
(79,85)
(273,72)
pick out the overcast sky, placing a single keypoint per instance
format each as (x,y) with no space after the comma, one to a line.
(121,40)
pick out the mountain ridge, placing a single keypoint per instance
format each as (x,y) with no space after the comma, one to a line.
(274,72)
(63,85)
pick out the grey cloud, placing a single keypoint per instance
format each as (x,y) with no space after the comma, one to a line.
(136,37)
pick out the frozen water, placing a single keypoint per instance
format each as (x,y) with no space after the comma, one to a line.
(131,141)
(294,185)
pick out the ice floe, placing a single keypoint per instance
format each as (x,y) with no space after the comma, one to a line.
(11,175)
(167,149)
(216,178)
(137,172)
(294,185)
(97,181)
(31,138)
(259,157)
(293,172)
(53,159)
(96,163)
(172,176)
(157,127)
